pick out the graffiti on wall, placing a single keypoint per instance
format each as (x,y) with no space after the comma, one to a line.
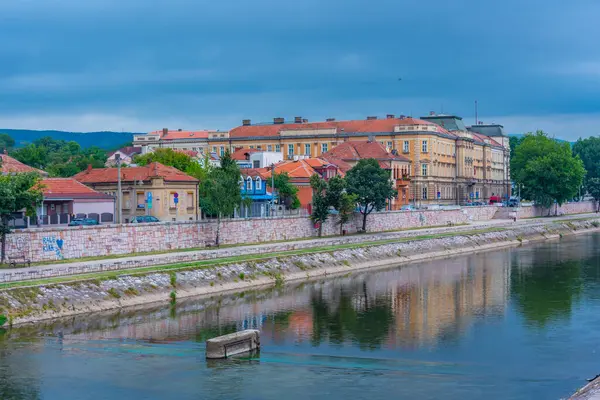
(52,244)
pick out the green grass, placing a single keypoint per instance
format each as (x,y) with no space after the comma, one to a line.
(205,264)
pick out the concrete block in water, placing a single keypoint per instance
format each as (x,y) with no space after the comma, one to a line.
(234,343)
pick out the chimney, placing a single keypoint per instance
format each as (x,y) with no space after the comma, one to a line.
(432,113)
(278,120)
(371,138)
(371,118)
(304,121)
(165,131)
(390,116)
(89,167)
(297,120)
(179,130)
(402,116)
(246,122)
(330,119)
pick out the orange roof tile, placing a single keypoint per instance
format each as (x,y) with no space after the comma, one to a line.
(355,126)
(10,165)
(109,175)
(240,154)
(68,188)
(295,169)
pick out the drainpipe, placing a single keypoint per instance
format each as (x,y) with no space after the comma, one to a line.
(197,205)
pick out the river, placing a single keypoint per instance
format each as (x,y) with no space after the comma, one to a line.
(518,323)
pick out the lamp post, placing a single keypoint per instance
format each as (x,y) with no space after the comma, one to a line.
(119,194)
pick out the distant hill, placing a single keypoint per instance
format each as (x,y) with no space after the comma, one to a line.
(105,140)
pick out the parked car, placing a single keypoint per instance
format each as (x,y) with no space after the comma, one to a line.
(144,219)
(83,222)
(407,207)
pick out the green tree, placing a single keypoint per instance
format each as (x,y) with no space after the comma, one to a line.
(17,192)
(320,206)
(547,170)
(513,142)
(593,187)
(59,157)
(287,192)
(336,188)
(346,208)
(221,193)
(168,157)
(6,142)
(372,186)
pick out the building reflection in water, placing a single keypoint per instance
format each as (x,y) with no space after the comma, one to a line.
(408,307)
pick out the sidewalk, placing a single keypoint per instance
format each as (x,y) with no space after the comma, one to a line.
(113,264)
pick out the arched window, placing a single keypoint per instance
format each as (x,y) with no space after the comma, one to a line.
(248,184)
(242,182)
(258,183)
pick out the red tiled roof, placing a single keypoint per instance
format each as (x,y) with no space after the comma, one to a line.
(128,151)
(358,150)
(356,126)
(240,154)
(262,172)
(54,188)
(11,165)
(190,153)
(109,175)
(298,169)
(482,138)
(172,135)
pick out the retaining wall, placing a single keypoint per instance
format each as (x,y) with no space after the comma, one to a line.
(49,244)
(533,212)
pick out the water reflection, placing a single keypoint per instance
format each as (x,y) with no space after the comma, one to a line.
(441,322)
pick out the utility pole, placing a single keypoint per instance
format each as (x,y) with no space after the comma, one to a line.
(119,194)
(272,189)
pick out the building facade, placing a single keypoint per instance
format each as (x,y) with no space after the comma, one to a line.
(449,162)
(155,189)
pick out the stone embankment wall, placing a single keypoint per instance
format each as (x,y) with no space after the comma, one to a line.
(532,212)
(52,301)
(50,244)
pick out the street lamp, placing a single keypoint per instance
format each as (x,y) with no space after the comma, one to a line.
(119,194)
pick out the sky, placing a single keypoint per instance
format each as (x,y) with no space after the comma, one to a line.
(141,65)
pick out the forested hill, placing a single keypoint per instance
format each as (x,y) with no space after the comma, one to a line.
(105,140)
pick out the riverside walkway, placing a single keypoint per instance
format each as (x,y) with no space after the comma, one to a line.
(75,267)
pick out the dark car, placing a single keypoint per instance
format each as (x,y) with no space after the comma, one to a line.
(83,222)
(144,219)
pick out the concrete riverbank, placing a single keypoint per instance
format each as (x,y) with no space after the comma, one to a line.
(49,301)
(591,391)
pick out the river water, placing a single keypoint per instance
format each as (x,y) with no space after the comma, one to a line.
(517,323)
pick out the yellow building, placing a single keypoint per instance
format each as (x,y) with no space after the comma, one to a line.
(148,190)
(449,163)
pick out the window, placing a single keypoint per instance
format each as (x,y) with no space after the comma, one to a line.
(269,147)
(214,149)
(323,147)
(222,151)
(255,163)
(424,193)
(278,148)
(424,146)
(424,169)
(251,147)
(241,183)
(390,145)
(258,183)
(248,184)
(290,150)
(307,149)
(406,146)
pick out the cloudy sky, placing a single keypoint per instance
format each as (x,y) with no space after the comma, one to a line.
(140,65)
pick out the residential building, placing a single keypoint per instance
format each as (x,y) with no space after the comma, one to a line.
(125,154)
(183,140)
(154,189)
(347,154)
(254,187)
(449,162)
(65,197)
(9,165)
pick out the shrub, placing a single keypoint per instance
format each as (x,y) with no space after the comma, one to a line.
(113,293)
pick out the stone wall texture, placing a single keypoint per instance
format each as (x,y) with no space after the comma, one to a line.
(49,244)
(533,212)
